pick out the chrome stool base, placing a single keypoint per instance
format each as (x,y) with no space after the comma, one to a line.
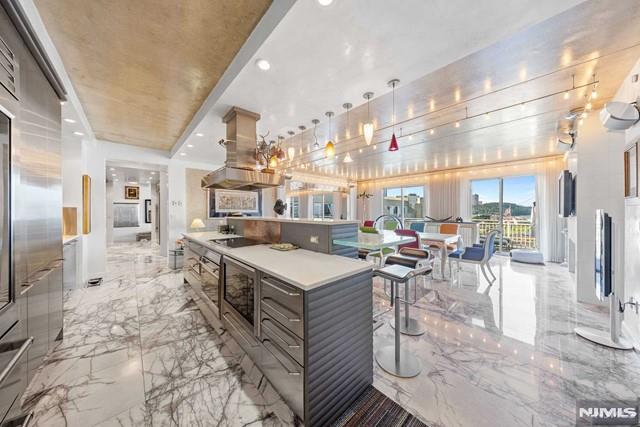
(413,328)
(408,365)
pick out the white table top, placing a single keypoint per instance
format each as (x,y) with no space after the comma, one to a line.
(375,242)
(439,237)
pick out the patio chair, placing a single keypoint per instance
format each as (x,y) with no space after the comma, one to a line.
(477,255)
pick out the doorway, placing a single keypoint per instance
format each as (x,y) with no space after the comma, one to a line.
(507,204)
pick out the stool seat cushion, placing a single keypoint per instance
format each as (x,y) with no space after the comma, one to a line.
(398,273)
(414,252)
(471,254)
(527,256)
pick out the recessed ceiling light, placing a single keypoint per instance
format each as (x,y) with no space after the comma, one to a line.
(190,145)
(183,154)
(113,174)
(153,173)
(78,133)
(63,102)
(325,2)
(112,169)
(116,180)
(69,120)
(199,134)
(263,64)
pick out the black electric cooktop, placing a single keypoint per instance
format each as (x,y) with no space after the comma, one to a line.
(237,242)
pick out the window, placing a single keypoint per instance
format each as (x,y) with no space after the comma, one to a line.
(404,202)
(294,207)
(507,204)
(323,205)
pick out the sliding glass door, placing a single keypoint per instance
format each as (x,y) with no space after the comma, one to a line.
(506,204)
(407,203)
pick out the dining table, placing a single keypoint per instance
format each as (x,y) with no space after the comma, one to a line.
(376,242)
(443,240)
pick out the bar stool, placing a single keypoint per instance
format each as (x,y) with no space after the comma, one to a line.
(391,358)
(420,262)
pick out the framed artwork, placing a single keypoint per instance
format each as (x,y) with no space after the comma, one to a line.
(126,215)
(86,204)
(631,172)
(234,201)
(147,211)
(131,192)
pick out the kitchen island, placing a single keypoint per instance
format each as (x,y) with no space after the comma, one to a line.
(302,317)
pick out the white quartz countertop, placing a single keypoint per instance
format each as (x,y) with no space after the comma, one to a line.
(295,220)
(301,268)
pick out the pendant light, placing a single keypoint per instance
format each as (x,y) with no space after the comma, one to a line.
(347,158)
(347,106)
(393,146)
(368,126)
(329,148)
(291,151)
(315,136)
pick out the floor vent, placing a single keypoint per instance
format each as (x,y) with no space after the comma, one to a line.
(94,282)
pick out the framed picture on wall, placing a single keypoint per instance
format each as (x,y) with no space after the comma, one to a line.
(147,211)
(131,192)
(233,201)
(631,171)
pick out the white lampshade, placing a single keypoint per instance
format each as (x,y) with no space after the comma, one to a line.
(368,132)
(291,151)
(197,223)
(347,158)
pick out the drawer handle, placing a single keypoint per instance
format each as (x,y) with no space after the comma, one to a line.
(208,270)
(235,328)
(278,312)
(277,335)
(278,288)
(14,360)
(274,345)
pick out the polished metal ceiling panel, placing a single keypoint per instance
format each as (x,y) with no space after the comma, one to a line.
(520,82)
(142,68)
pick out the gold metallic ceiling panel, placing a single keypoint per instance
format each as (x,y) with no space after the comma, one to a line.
(142,68)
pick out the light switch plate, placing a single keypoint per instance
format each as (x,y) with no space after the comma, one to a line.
(314,239)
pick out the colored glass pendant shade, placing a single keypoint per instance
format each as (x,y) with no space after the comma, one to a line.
(394,143)
(329,150)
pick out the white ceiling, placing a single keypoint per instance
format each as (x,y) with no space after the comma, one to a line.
(131,175)
(322,56)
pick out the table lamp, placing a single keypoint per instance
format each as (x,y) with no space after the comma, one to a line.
(197,223)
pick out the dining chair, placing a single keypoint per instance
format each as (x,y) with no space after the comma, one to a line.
(417,226)
(477,256)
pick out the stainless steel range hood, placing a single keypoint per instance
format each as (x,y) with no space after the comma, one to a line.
(239,171)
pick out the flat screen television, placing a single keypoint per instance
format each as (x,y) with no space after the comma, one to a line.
(603,254)
(565,194)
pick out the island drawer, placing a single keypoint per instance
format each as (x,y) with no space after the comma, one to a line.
(289,319)
(285,294)
(294,346)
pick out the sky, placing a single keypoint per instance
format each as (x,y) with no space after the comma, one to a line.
(518,189)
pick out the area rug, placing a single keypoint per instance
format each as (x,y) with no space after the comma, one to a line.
(375,409)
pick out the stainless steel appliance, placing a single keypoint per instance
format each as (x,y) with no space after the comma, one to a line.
(237,242)
(202,270)
(30,207)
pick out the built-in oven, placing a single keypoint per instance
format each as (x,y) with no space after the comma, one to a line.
(240,310)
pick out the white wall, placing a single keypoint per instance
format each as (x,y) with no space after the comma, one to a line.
(629,92)
(115,194)
(94,155)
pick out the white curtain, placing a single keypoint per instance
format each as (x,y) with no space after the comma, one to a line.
(444,197)
(465,199)
(548,225)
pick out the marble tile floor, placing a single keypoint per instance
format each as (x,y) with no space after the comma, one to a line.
(505,354)
(137,351)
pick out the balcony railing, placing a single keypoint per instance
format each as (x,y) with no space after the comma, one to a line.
(516,233)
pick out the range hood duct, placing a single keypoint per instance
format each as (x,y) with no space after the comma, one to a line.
(239,172)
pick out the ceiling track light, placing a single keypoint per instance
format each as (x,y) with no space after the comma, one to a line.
(393,145)
(594,92)
(329,148)
(368,126)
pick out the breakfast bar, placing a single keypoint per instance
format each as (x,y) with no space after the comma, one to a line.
(287,310)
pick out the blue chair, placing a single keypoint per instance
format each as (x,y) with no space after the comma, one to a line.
(478,255)
(417,226)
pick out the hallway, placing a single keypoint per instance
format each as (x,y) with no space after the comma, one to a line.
(136,351)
